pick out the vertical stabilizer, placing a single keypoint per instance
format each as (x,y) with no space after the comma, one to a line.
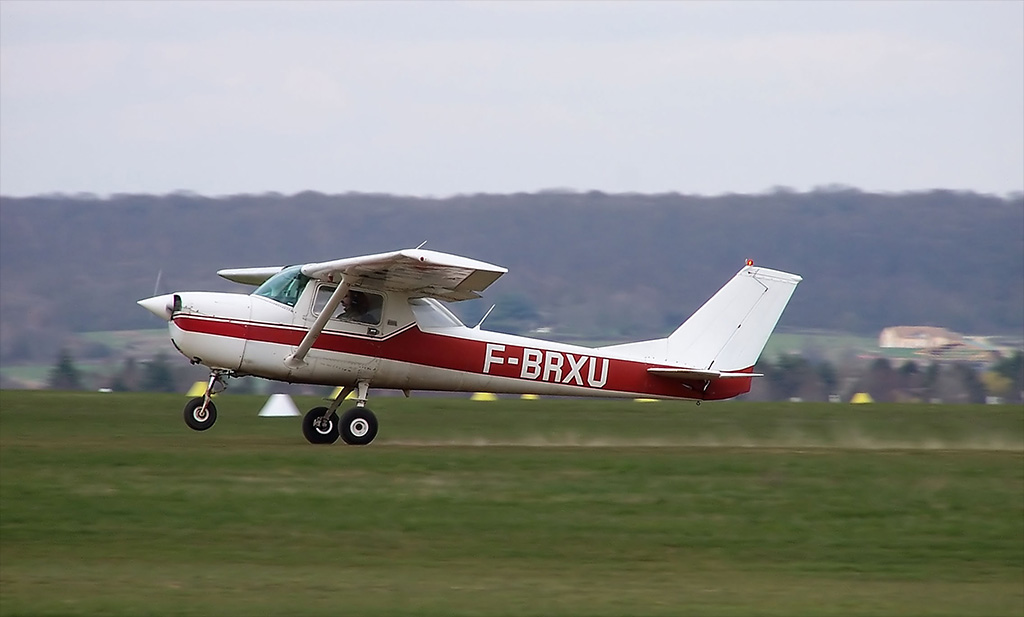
(729,332)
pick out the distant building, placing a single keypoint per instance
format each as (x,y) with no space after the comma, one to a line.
(939,344)
(918,337)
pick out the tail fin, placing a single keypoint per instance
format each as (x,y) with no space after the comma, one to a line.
(729,332)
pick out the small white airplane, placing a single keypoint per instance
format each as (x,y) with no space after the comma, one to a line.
(378,320)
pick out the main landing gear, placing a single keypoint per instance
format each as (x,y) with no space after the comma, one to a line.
(356,427)
(200,413)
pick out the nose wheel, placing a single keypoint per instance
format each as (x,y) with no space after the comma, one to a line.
(200,413)
(356,427)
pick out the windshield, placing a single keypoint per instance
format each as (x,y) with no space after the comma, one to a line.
(285,286)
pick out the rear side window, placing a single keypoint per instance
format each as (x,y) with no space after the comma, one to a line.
(430,313)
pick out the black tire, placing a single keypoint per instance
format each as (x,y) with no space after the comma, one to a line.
(320,429)
(196,417)
(358,426)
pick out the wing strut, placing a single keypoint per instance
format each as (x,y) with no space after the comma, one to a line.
(298,359)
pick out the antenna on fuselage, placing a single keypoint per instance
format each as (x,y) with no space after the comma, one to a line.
(421,245)
(477,326)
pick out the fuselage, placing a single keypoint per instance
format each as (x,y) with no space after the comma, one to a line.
(412,344)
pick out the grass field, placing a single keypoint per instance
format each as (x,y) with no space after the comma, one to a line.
(109,505)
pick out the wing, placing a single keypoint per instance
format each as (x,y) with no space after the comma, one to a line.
(250,276)
(417,272)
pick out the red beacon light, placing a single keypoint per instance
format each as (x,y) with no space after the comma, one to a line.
(750,262)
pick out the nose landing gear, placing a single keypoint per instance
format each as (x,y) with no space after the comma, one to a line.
(200,413)
(356,427)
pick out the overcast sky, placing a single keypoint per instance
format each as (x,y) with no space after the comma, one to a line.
(432,98)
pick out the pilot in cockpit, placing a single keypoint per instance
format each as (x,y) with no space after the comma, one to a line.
(356,306)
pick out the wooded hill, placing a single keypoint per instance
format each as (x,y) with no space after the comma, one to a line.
(587,265)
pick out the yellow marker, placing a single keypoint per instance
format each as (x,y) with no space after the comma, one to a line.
(337,393)
(484,396)
(645,400)
(861,398)
(197,389)
(530,397)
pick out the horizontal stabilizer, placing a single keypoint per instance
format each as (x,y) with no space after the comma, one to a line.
(685,373)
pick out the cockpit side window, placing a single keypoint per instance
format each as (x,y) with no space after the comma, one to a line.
(359,306)
(285,287)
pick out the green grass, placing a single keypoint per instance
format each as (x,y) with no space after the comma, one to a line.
(109,505)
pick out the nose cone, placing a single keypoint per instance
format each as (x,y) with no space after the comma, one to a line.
(161,306)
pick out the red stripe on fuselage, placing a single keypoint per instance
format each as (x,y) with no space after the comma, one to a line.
(537,364)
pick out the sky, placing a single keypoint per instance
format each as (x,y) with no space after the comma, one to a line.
(444,98)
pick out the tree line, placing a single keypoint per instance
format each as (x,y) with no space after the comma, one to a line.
(586,266)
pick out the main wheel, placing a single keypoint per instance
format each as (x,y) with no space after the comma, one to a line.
(358,426)
(196,417)
(317,427)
